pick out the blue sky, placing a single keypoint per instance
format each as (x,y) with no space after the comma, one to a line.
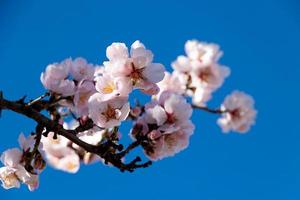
(261,41)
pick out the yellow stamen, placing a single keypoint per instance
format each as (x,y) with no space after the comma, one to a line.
(109,88)
(71,166)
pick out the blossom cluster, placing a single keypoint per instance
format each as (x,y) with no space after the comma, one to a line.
(14,171)
(101,93)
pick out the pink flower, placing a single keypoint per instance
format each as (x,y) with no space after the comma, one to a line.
(8,178)
(31,180)
(111,87)
(211,76)
(83,92)
(13,173)
(93,137)
(55,78)
(202,52)
(137,68)
(99,71)
(201,95)
(200,67)
(167,124)
(175,82)
(11,157)
(240,113)
(168,145)
(11,177)
(182,64)
(59,154)
(81,70)
(108,113)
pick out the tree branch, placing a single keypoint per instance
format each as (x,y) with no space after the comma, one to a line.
(101,150)
(214,111)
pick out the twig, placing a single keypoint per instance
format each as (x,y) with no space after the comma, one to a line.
(53,126)
(215,111)
(132,146)
(38,99)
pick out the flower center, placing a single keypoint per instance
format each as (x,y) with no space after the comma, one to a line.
(82,71)
(83,97)
(235,114)
(71,166)
(9,180)
(110,113)
(171,118)
(109,88)
(136,74)
(205,74)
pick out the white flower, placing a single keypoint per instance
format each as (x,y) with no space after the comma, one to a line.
(210,76)
(59,154)
(201,95)
(99,71)
(202,52)
(137,68)
(55,78)
(108,113)
(167,124)
(168,145)
(67,160)
(178,112)
(240,113)
(111,87)
(182,64)
(175,82)
(50,142)
(93,137)
(200,67)
(31,180)
(84,90)
(11,177)
(11,157)
(8,178)
(80,69)
(26,143)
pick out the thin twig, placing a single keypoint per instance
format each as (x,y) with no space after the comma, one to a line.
(38,99)
(210,110)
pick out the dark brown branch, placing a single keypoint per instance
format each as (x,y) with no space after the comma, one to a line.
(214,111)
(132,146)
(103,150)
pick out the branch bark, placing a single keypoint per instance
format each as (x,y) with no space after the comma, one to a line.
(51,125)
(210,110)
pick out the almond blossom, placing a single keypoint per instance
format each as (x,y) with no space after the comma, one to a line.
(240,113)
(93,136)
(136,66)
(200,66)
(166,122)
(14,173)
(175,82)
(211,76)
(80,116)
(83,92)
(55,78)
(59,155)
(108,113)
(110,86)
(169,113)
(9,178)
(80,69)
(202,52)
